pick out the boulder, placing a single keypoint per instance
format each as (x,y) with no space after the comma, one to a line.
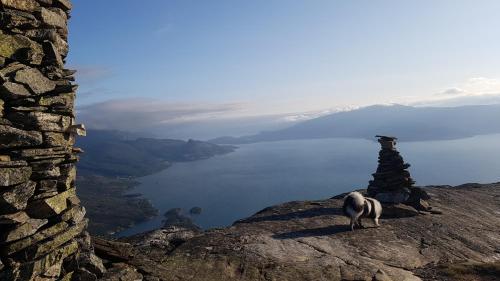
(43,121)
(19,232)
(163,240)
(78,130)
(52,55)
(20,47)
(53,17)
(64,4)
(82,274)
(45,153)
(35,80)
(5,158)
(49,207)
(112,250)
(12,90)
(398,211)
(19,245)
(47,3)
(9,69)
(65,100)
(394,197)
(13,164)
(11,137)
(16,218)
(18,19)
(122,271)
(16,198)
(47,170)
(418,193)
(44,247)
(58,139)
(74,215)
(13,176)
(51,273)
(31,269)
(41,35)
(68,177)
(92,263)
(23,5)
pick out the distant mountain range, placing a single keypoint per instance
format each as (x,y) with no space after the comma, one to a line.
(406,122)
(113,153)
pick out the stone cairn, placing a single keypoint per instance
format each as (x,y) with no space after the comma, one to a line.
(42,225)
(392,181)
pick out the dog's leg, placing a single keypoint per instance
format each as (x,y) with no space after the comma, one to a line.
(356,220)
(359,222)
(352,223)
(375,220)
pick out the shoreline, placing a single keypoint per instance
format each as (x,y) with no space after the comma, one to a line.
(137,207)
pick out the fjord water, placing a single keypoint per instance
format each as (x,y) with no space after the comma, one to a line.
(237,185)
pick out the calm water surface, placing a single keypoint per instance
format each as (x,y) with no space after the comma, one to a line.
(256,176)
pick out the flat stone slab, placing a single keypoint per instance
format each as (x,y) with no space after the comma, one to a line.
(35,80)
(16,198)
(13,176)
(23,5)
(11,137)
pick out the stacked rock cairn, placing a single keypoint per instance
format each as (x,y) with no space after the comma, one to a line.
(42,225)
(392,181)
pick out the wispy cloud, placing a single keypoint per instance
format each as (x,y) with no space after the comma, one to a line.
(476,86)
(100,91)
(138,114)
(304,116)
(473,91)
(87,74)
(452,92)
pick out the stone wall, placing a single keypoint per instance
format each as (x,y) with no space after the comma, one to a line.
(42,225)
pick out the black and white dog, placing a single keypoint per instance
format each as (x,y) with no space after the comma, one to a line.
(357,206)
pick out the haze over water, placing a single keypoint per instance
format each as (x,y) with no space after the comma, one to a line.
(237,185)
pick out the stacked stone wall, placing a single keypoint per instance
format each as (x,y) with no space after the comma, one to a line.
(42,224)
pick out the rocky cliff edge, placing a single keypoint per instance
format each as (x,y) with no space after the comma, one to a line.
(310,240)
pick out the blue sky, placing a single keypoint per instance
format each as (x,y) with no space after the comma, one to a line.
(192,61)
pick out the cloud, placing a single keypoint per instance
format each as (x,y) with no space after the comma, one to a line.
(94,73)
(94,91)
(142,114)
(452,92)
(473,91)
(304,116)
(476,86)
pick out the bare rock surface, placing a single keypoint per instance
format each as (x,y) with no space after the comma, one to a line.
(310,240)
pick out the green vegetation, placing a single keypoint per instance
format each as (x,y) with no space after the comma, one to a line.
(108,206)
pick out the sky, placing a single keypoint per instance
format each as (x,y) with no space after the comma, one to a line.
(206,68)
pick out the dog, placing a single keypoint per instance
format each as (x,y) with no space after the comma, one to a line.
(357,206)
